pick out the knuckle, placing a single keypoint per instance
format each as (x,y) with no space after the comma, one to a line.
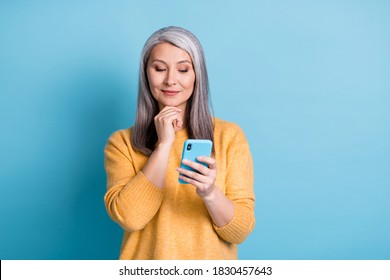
(202,169)
(184,172)
(196,176)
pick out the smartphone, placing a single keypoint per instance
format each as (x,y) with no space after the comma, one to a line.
(192,149)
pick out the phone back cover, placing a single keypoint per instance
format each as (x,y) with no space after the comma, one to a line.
(199,147)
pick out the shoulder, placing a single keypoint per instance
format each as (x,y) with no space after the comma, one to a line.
(228,135)
(229,139)
(226,129)
(120,137)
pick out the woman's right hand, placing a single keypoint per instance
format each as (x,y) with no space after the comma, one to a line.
(167,122)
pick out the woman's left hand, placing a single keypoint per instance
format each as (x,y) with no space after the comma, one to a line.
(220,208)
(204,181)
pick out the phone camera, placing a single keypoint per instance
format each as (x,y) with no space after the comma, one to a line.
(189,147)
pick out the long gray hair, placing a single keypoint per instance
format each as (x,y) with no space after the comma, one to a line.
(198,118)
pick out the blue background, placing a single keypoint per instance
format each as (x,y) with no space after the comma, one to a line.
(308,81)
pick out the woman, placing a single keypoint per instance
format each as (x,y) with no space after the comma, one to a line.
(161,218)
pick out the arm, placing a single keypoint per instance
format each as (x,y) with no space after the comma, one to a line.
(240,190)
(133,199)
(233,212)
(167,122)
(220,208)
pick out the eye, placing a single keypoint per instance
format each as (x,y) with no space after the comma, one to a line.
(158,69)
(183,70)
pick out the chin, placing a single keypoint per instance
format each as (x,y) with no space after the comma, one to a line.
(173,104)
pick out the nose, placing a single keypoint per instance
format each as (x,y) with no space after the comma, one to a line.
(170,79)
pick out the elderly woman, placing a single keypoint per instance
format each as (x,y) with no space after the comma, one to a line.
(161,218)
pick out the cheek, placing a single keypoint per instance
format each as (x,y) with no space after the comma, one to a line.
(153,79)
(189,82)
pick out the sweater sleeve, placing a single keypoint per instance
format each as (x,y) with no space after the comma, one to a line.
(131,199)
(239,189)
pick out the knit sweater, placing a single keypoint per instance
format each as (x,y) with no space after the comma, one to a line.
(173,222)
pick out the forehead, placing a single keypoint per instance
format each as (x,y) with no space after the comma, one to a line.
(169,53)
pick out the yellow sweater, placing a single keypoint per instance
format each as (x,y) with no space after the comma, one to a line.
(173,223)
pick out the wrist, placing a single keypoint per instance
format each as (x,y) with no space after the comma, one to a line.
(212,196)
(164,146)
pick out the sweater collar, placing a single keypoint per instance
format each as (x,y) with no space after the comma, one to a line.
(182,134)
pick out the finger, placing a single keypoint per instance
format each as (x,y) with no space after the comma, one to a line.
(195,183)
(179,121)
(197,166)
(169,117)
(211,162)
(193,175)
(170,109)
(169,112)
(201,188)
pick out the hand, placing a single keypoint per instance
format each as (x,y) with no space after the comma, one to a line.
(167,122)
(204,181)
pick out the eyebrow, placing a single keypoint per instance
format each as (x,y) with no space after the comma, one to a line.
(181,61)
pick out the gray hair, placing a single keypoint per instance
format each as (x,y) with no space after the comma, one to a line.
(198,118)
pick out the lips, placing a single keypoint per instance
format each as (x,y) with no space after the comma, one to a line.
(170,92)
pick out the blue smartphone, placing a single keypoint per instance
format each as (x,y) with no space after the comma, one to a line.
(192,149)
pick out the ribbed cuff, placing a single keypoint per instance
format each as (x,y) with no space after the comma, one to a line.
(239,227)
(143,198)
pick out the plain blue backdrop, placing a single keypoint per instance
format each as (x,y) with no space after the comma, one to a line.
(308,81)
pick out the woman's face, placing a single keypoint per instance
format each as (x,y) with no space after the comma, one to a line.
(171,75)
